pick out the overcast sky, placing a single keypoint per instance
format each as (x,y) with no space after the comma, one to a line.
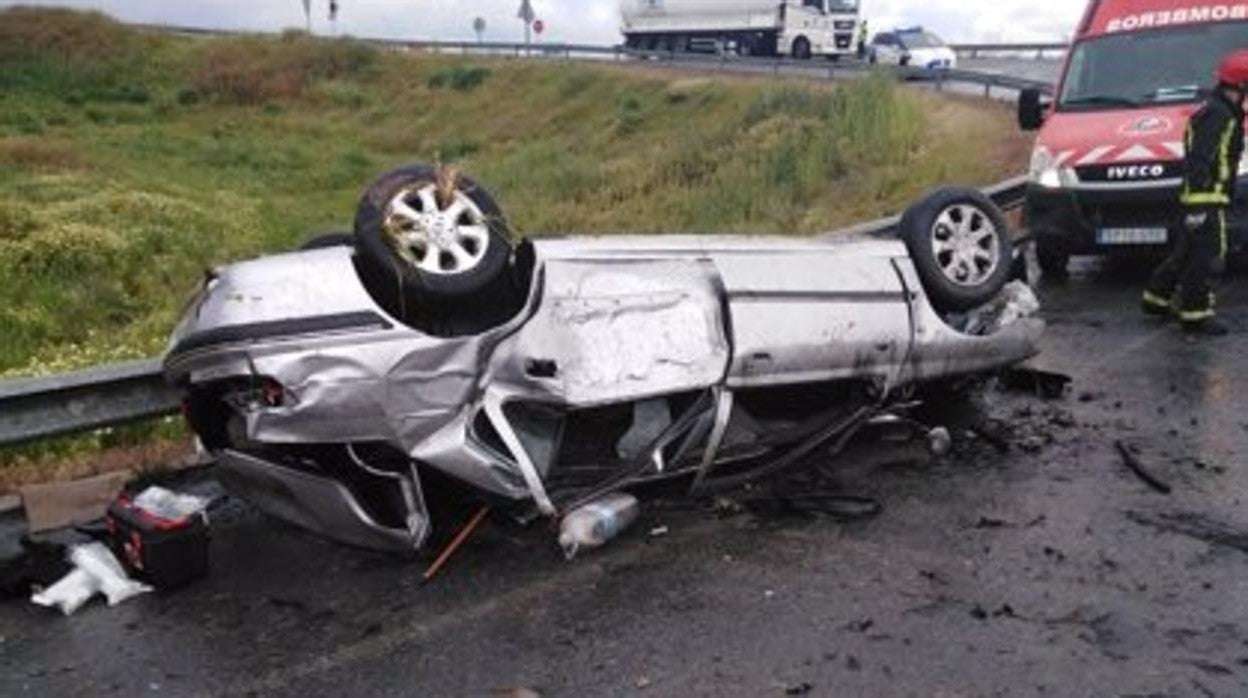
(574,21)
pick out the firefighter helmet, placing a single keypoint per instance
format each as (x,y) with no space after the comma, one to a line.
(1233,70)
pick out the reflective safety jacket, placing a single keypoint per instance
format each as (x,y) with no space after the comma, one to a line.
(1214,145)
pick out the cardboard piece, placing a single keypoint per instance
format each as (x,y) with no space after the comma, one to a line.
(60,504)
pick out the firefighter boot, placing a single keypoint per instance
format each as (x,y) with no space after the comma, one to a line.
(1209,327)
(1154,305)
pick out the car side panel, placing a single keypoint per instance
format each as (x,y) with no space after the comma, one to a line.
(823,315)
(610,332)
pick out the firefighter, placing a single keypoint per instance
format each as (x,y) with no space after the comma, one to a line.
(1214,143)
(862,39)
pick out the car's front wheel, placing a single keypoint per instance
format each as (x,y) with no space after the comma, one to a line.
(960,245)
(433,233)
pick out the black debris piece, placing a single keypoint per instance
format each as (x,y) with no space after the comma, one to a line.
(991,437)
(860,626)
(1133,462)
(1045,384)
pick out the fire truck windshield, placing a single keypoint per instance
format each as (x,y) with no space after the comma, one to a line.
(1148,67)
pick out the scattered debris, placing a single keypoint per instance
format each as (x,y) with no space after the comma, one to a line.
(860,626)
(96,570)
(658,532)
(1033,444)
(1062,418)
(1211,667)
(991,437)
(1133,462)
(521,692)
(460,538)
(987,522)
(939,442)
(840,507)
(1045,384)
(799,689)
(726,506)
(1194,526)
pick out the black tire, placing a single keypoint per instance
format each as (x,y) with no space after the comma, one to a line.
(801,48)
(381,256)
(1053,257)
(208,417)
(318,242)
(946,232)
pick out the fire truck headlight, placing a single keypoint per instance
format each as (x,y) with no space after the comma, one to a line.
(1044,170)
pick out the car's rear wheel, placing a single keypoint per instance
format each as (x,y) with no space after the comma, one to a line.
(801,48)
(960,245)
(436,230)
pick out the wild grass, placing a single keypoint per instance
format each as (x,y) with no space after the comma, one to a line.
(257,70)
(130,162)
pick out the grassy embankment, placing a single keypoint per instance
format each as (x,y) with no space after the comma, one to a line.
(129,162)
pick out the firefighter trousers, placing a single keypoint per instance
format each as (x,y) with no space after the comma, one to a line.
(1189,268)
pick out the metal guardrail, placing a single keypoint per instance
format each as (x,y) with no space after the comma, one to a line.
(1040,49)
(823,69)
(40,408)
(1007,195)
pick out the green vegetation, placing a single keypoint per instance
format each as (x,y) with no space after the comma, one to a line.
(129,162)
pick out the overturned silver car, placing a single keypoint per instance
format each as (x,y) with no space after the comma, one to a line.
(334,382)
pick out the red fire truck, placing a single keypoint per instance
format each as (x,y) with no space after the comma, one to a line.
(1107,164)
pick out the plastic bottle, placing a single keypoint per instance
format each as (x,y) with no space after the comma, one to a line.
(593,524)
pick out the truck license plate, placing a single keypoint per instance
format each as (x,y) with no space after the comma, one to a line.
(1131,236)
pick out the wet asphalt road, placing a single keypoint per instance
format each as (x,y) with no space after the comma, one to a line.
(1049,570)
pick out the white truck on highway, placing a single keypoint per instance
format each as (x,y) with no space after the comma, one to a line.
(796,28)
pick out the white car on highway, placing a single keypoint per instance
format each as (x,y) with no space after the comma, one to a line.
(912,47)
